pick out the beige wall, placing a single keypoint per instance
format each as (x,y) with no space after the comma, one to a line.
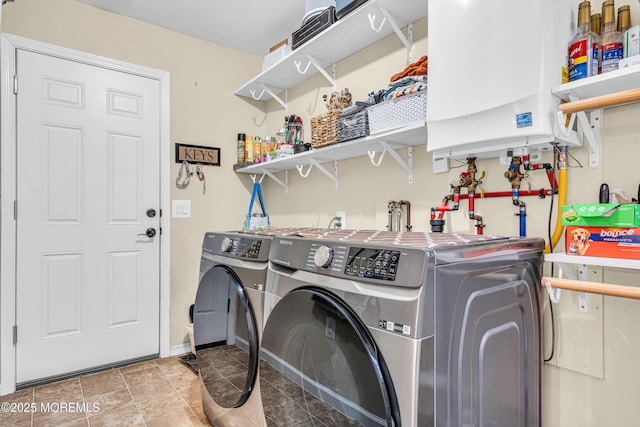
(204,111)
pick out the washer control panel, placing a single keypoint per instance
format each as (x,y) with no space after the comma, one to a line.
(390,265)
(381,264)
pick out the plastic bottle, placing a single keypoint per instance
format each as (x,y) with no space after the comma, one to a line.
(268,145)
(612,46)
(583,48)
(240,147)
(257,150)
(624,23)
(596,25)
(248,149)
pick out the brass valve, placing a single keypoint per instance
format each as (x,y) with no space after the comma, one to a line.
(513,174)
(468,179)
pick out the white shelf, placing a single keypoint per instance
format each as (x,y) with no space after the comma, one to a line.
(408,136)
(591,87)
(561,258)
(373,146)
(602,84)
(347,36)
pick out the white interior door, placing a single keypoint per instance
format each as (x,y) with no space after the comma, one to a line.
(88,171)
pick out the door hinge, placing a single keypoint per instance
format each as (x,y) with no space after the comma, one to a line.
(228,305)
(15,334)
(15,209)
(15,84)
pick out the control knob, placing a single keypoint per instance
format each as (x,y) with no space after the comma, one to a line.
(226,245)
(323,256)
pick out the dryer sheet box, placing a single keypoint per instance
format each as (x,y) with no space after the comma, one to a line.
(607,242)
(602,215)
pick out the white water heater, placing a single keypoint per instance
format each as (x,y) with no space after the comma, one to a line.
(492,64)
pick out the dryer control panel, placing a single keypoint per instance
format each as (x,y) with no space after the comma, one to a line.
(243,248)
(254,248)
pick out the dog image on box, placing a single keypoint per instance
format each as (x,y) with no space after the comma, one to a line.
(579,241)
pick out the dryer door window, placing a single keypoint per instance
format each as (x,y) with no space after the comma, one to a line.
(320,365)
(226,337)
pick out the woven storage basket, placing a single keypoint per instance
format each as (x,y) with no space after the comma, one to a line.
(397,112)
(324,129)
(354,126)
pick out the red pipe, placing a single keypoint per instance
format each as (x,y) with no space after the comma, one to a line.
(444,208)
(509,194)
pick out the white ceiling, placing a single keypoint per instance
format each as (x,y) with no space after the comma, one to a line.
(248,25)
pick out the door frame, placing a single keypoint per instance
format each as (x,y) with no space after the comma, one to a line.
(8,183)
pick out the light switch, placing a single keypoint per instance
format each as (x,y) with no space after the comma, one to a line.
(181,208)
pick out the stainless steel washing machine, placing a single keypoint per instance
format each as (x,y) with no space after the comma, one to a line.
(414,329)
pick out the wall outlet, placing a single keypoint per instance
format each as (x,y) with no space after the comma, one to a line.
(343,219)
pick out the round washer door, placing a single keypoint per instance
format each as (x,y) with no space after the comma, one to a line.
(320,363)
(226,337)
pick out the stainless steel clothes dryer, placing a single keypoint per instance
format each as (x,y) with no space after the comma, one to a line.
(379,328)
(227,321)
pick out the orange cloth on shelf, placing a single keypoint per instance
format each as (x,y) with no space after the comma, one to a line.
(418,68)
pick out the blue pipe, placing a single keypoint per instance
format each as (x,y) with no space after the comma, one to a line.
(523,220)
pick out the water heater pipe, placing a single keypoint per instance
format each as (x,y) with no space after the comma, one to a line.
(444,208)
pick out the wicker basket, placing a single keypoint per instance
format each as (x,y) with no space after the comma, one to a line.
(354,126)
(397,112)
(324,129)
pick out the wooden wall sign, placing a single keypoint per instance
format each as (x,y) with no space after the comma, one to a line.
(198,154)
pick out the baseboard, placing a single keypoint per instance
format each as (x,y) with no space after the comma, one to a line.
(179,349)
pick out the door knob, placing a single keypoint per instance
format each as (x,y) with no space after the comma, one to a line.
(149,233)
(151,212)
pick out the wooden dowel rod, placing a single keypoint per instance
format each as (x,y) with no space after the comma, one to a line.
(603,101)
(593,287)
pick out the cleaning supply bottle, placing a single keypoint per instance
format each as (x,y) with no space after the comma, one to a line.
(583,48)
(611,38)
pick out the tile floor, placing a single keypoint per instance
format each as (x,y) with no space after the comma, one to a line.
(161,392)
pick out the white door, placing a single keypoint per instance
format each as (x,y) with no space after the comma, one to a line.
(88,171)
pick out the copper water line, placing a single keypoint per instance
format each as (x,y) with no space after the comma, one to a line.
(406,203)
